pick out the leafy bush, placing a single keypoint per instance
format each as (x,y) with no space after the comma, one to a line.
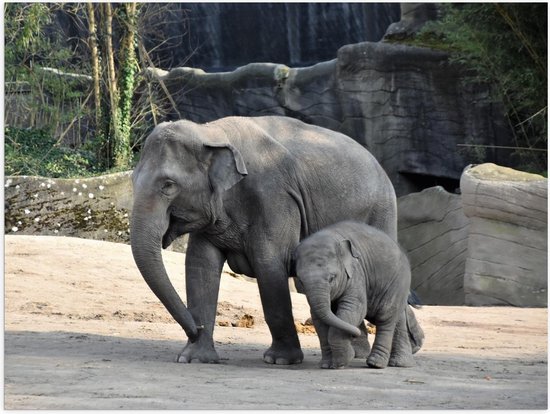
(504,45)
(35,152)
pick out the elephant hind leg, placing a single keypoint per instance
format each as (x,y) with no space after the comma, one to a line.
(401,353)
(383,216)
(382,345)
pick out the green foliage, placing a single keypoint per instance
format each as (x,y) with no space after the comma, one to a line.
(45,65)
(35,152)
(59,103)
(505,45)
(22,27)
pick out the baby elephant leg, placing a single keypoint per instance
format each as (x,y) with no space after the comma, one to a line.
(361,344)
(381,348)
(322,332)
(401,353)
(341,348)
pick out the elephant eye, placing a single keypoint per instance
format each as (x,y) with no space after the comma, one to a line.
(331,277)
(168,187)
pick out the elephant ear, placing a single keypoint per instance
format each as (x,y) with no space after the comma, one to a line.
(227,166)
(350,257)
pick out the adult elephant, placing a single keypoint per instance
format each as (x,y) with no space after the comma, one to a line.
(247,190)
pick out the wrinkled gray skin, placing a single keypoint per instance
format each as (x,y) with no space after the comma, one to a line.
(247,190)
(350,272)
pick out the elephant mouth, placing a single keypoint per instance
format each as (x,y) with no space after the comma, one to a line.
(175,229)
(167,240)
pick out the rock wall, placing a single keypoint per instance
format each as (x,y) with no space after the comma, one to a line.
(95,208)
(507,260)
(433,230)
(296,34)
(406,104)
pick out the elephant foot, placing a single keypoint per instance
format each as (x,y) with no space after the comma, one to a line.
(402,360)
(199,351)
(376,360)
(342,355)
(281,354)
(329,364)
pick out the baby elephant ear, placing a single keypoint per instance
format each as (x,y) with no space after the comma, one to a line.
(350,257)
(227,166)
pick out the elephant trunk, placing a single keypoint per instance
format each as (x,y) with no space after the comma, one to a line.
(320,307)
(146,242)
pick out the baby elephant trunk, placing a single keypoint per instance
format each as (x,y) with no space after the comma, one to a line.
(320,307)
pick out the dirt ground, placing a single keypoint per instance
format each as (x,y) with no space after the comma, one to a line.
(83,331)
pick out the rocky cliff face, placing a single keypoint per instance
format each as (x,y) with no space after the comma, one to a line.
(407,105)
(221,36)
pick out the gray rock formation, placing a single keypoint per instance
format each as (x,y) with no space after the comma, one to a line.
(407,105)
(507,260)
(434,232)
(413,17)
(96,208)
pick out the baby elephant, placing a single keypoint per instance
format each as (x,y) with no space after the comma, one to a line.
(350,272)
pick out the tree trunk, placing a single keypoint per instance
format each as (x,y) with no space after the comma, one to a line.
(92,42)
(110,82)
(127,69)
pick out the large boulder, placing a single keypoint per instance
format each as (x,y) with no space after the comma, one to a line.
(507,260)
(434,232)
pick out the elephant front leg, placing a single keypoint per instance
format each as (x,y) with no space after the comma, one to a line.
(341,349)
(275,295)
(322,333)
(350,310)
(203,268)
(361,344)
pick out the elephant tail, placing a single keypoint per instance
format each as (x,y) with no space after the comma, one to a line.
(416,334)
(414,300)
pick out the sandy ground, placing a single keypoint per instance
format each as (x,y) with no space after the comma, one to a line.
(83,331)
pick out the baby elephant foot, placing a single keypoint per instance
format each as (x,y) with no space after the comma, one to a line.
(281,354)
(377,360)
(402,360)
(198,352)
(341,357)
(325,363)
